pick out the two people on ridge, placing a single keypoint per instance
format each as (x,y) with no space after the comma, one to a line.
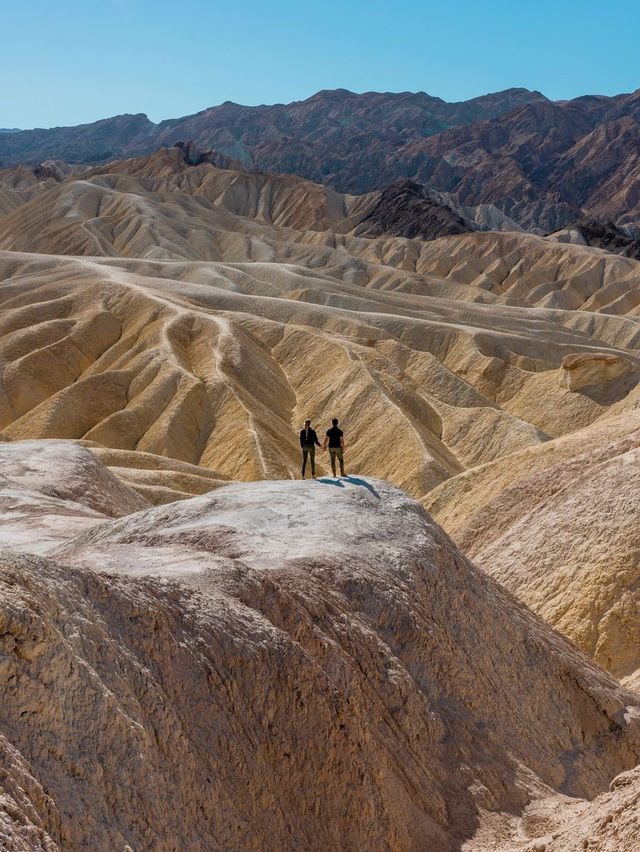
(309,441)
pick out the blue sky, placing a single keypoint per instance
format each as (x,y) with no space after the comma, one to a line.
(76,61)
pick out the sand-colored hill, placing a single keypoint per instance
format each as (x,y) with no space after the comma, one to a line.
(203,327)
(231,677)
(217,364)
(558,527)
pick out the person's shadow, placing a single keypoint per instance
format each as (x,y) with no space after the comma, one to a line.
(354,480)
(330,481)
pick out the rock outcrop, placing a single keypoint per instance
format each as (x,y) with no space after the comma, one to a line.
(406,209)
(278,665)
(604,235)
(50,490)
(582,370)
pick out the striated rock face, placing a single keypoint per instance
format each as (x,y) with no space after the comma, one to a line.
(406,209)
(586,369)
(205,313)
(557,525)
(283,665)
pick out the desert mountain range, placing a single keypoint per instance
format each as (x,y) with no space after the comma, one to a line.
(437,652)
(513,159)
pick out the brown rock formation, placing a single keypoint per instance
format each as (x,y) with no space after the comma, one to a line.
(582,370)
(405,209)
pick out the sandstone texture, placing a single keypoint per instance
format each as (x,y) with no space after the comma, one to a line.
(281,665)
(200,314)
(558,526)
(50,490)
(584,370)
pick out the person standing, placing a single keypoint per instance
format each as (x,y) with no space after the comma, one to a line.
(308,442)
(335,439)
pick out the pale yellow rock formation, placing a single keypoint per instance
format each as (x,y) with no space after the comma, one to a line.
(157,478)
(591,370)
(557,525)
(217,364)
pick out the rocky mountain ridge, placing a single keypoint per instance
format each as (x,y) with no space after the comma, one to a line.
(539,164)
(235,129)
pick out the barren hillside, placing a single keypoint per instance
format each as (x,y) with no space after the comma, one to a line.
(192,320)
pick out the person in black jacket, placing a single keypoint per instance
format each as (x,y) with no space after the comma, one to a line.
(308,442)
(335,439)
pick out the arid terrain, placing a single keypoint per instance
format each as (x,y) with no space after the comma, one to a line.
(438,652)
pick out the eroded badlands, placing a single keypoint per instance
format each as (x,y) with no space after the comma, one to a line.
(202,653)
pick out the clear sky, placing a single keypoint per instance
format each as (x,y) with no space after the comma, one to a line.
(75,61)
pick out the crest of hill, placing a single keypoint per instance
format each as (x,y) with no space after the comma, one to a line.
(234,129)
(406,209)
(363,690)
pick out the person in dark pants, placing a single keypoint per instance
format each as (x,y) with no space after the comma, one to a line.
(308,442)
(335,439)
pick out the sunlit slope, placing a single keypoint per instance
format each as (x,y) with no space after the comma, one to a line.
(159,207)
(217,365)
(557,524)
(200,314)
